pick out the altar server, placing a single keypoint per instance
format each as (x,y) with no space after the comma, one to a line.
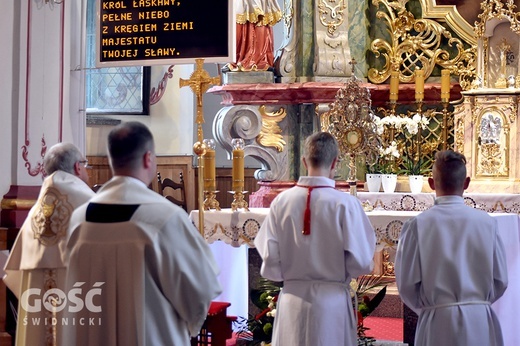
(315,239)
(451,264)
(34,266)
(142,270)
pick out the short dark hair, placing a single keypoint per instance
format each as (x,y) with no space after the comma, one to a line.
(320,149)
(449,170)
(127,143)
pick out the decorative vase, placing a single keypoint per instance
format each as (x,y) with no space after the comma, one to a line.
(416,183)
(373,182)
(389,182)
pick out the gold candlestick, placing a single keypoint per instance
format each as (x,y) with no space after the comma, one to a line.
(238,175)
(238,165)
(419,85)
(445,85)
(199,82)
(210,185)
(394,85)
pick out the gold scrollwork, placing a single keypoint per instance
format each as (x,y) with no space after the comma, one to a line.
(496,9)
(453,18)
(491,159)
(459,134)
(417,43)
(513,106)
(331,14)
(270,134)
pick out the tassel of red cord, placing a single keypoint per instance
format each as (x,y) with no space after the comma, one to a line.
(307,213)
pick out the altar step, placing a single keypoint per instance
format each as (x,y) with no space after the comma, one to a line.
(388,331)
(391,306)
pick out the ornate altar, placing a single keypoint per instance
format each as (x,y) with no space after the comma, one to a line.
(486,123)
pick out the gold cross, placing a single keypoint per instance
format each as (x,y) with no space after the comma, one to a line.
(199,82)
(353,62)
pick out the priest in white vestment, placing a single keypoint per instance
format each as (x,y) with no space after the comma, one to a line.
(451,264)
(315,239)
(141,269)
(34,266)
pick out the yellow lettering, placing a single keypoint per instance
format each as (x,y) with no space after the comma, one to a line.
(160,52)
(123,53)
(154,15)
(105,29)
(128,41)
(131,28)
(177,26)
(152,3)
(117,17)
(113,5)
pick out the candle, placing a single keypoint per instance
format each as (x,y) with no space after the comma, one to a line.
(394,85)
(419,85)
(445,85)
(238,165)
(238,170)
(208,161)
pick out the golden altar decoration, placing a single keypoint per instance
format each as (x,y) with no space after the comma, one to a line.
(351,121)
(414,52)
(199,82)
(486,123)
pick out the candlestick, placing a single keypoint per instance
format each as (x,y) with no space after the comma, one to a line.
(208,160)
(394,85)
(238,164)
(419,85)
(445,85)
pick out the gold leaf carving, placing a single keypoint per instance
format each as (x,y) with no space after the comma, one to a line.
(270,134)
(418,43)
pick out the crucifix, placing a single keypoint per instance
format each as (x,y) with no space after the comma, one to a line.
(199,82)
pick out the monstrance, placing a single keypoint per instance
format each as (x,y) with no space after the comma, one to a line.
(350,121)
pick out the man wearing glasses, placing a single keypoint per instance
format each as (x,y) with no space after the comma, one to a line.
(34,266)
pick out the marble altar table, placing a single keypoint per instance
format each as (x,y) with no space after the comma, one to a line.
(240,228)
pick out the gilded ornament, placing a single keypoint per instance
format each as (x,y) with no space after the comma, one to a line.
(331,14)
(270,134)
(51,217)
(417,43)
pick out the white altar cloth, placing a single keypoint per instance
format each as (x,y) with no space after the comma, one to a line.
(399,201)
(240,228)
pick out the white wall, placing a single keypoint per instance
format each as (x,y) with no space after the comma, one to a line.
(171,119)
(7,91)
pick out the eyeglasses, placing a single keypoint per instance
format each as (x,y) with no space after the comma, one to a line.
(85,163)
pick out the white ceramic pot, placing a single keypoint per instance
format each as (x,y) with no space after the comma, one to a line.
(416,183)
(373,182)
(389,182)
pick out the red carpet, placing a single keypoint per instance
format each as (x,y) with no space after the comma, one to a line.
(384,328)
(381,328)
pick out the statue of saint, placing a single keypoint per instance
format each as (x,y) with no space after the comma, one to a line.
(254,34)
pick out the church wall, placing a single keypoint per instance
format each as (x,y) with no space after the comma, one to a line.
(7,91)
(170,120)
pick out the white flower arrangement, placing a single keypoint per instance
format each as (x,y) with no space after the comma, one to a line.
(388,155)
(410,124)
